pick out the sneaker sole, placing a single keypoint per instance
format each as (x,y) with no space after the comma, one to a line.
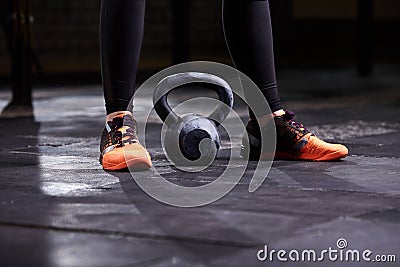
(334,156)
(138,164)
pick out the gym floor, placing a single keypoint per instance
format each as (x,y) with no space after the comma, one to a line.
(59,208)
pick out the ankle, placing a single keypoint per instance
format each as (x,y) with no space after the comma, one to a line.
(264,120)
(113,115)
(278,113)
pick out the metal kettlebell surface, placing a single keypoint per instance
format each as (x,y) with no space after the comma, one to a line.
(192,138)
(196,129)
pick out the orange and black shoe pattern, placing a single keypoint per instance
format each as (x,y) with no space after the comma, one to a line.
(294,142)
(120,148)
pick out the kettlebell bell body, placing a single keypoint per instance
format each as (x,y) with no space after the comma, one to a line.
(192,138)
(198,137)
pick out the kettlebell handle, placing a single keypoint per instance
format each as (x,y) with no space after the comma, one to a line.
(208,81)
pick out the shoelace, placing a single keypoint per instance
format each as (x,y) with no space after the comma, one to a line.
(129,136)
(289,115)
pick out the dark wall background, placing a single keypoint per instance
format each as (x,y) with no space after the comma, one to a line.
(315,33)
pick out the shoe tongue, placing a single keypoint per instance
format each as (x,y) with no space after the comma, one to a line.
(289,115)
(116,123)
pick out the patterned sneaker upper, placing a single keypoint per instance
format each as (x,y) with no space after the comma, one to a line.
(119,132)
(289,133)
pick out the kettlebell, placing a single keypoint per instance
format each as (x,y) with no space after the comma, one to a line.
(192,139)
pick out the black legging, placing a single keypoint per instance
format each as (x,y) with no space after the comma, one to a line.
(247,28)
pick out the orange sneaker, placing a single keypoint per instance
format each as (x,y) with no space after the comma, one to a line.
(294,142)
(120,148)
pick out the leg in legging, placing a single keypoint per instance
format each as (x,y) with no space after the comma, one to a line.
(121,31)
(121,39)
(248,33)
